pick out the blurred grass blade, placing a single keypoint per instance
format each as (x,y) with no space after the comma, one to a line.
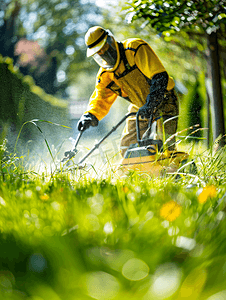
(34,123)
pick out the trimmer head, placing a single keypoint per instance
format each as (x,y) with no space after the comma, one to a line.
(146,155)
(69,155)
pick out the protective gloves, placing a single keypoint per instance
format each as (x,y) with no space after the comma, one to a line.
(158,87)
(145,111)
(86,121)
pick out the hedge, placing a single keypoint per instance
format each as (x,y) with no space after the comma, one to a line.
(22,101)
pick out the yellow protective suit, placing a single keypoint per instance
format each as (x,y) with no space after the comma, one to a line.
(132,83)
(131,80)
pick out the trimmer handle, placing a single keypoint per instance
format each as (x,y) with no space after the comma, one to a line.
(138,126)
(71,153)
(146,142)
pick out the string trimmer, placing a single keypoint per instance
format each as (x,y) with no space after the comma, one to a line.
(147,155)
(71,153)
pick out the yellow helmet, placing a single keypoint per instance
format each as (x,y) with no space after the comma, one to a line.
(101,45)
(95,39)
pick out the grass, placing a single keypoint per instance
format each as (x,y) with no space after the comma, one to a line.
(71,235)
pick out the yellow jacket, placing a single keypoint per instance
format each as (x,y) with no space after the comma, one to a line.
(131,80)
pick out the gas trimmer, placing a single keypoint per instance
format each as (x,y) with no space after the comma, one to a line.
(147,155)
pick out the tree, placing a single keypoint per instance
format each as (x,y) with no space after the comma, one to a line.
(59,28)
(202,23)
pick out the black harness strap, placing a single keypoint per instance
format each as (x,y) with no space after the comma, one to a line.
(128,68)
(116,89)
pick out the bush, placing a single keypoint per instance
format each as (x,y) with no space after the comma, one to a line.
(22,101)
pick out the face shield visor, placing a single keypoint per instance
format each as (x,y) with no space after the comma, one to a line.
(108,56)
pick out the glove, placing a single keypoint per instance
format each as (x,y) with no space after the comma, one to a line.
(86,121)
(155,97)
(145,111)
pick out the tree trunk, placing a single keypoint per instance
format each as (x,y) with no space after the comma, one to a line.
(217,99)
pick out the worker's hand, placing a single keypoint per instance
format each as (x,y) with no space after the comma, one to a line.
(86,121)
(145,111)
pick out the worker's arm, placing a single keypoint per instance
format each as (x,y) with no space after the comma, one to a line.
(151,66)
(100,103)
(155,97)
(102,98)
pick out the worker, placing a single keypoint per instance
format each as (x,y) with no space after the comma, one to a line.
(131,70)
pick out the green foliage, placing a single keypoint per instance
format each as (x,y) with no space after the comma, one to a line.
(170,16)
(193,107)
(22,101)
(75,236)
(56,30)
(60,28)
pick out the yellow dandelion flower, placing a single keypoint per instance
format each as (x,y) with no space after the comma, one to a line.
(170,211)
(125,189)
(44,197)
(207,192)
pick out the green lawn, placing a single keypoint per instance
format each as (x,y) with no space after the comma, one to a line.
(70,235)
